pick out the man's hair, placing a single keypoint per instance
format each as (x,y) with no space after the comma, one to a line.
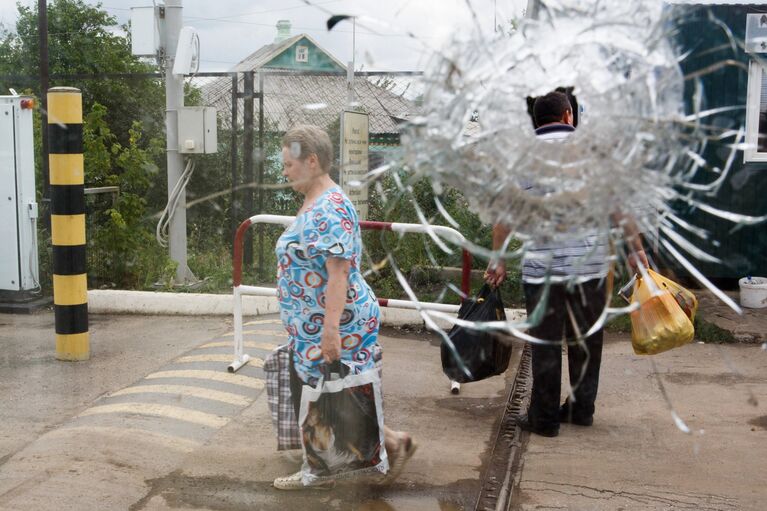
(551,108)
(568,91)
(304,139)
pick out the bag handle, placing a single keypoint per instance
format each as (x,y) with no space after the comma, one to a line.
(336,368)
(487,290)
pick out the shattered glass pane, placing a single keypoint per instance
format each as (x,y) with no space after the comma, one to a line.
(638,153)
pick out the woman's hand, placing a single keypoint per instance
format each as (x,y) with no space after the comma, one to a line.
(330,344)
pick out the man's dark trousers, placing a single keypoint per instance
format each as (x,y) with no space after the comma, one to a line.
(586,301)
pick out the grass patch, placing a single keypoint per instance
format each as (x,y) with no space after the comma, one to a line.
(619,325)
(708,332)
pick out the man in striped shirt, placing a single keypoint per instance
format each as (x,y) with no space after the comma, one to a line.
(567,278)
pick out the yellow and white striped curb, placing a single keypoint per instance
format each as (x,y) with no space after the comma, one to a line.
(234,379)
(157,410)
(272,333)
(247,344)
(254,361)
(183,390)
(171,441)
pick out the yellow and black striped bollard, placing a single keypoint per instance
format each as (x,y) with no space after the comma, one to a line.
(67,173)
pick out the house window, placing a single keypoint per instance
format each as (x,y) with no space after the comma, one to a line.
(302,54)
(756,113)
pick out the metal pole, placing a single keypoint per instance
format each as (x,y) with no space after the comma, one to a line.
(261,160)
(174,99)
(233,195)
(42,30)
(351,66)
(70,282)
(247,118)
(533,9)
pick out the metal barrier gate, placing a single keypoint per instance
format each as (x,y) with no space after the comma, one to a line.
(241,358)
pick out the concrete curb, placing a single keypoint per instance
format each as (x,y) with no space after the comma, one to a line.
(102,301)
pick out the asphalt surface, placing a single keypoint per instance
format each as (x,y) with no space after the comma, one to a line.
(154,421)
(637,456)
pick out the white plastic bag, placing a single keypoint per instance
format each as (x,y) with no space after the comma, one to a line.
(342,427)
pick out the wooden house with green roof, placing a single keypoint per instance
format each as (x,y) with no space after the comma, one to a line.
(305,84)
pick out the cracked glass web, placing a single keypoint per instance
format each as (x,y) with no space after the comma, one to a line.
(637,150)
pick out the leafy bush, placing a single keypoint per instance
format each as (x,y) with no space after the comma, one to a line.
(122,248)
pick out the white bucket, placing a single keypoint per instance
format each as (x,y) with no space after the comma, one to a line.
(753,292)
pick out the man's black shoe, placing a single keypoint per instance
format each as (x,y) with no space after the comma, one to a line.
(525,425)
(566,416)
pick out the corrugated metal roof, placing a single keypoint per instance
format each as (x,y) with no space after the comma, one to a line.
(294,98)
(313,98)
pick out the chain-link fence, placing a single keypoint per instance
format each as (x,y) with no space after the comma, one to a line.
(124,147)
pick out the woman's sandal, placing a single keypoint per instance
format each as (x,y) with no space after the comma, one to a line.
(406,447)
(295,482)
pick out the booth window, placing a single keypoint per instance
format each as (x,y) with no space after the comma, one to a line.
(756,113)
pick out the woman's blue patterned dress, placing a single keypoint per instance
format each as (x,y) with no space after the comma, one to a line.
(328,228)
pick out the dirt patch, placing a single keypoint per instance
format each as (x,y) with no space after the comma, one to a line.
(759,422)
(475,407)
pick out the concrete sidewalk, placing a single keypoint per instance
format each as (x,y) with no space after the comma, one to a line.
(748,327)
(634,457)
(154,422)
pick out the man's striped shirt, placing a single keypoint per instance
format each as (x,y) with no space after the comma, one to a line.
(585,257)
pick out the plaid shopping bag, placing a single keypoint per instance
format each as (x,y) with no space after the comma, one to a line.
(277,369)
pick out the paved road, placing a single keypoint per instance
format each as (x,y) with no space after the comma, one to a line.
(155,422)
(634,457)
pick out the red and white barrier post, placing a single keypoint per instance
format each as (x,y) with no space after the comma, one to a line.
(437,231)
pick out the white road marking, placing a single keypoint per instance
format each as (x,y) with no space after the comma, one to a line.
(167,411)
(264,322)
(182,390)
(234,379)
(254,361)
(247,344)
(273,333)
(179,444)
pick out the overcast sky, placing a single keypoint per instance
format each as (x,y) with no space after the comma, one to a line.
(232,29)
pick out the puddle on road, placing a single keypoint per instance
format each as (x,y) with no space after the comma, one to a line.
(218,493)
(424,504)
(473,406)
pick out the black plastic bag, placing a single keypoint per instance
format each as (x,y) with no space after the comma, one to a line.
(482,353)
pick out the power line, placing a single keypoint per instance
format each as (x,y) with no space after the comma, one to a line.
(306,29)
(270,11)
(225,19)
(253,13)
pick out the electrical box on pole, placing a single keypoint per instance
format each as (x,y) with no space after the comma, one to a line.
(18,204)
(145,31)
(197,130)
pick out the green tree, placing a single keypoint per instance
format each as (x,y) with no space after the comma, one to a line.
(85,40)
(122,249)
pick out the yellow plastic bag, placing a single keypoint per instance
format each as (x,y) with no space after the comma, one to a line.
(660,323)
(683,297)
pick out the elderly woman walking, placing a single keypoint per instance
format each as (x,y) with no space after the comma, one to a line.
(329,311)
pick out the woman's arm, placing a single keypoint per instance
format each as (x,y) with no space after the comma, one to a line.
(335,298)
